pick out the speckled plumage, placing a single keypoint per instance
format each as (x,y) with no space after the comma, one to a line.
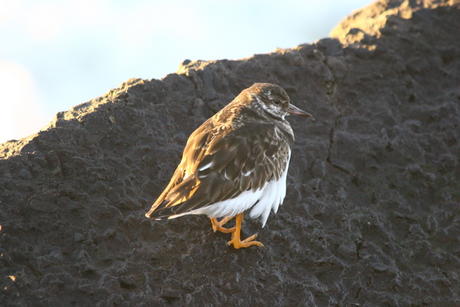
(235,161)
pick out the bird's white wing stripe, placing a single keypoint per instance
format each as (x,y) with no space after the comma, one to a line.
(206,166)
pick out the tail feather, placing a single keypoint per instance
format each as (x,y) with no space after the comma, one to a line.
(172,200)
(155,209)
(163,212)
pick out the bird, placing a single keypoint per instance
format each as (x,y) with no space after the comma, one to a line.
(235,162)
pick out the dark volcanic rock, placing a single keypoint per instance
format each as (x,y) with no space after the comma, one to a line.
(372,213)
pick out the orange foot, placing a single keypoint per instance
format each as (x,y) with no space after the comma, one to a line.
(217,225)
(249,241)
(236,236)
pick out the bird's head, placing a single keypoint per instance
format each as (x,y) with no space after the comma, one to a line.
(274,100)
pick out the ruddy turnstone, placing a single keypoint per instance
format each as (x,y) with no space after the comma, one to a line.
(236,161)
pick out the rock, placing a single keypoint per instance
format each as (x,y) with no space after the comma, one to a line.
(372,206)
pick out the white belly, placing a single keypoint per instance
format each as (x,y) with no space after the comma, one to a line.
(272,196)
(262,201)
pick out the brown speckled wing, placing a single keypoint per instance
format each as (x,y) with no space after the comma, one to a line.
(218,166)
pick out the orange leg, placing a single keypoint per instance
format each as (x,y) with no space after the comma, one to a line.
(217,225)
(236,235)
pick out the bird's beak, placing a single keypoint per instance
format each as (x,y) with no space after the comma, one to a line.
(292,109)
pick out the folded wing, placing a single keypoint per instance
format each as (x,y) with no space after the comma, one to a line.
(218,165)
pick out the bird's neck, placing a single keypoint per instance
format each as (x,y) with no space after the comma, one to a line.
(255,114)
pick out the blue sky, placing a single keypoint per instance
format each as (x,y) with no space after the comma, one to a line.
(58,53)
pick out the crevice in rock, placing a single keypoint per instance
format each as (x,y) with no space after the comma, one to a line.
(359,246)
(331,144)
(331,85)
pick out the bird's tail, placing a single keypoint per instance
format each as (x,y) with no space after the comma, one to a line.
(162,212)
(168,203)
(155,211)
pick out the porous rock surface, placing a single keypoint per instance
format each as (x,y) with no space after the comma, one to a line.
(372,213)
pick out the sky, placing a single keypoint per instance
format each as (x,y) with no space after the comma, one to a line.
(55,54)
